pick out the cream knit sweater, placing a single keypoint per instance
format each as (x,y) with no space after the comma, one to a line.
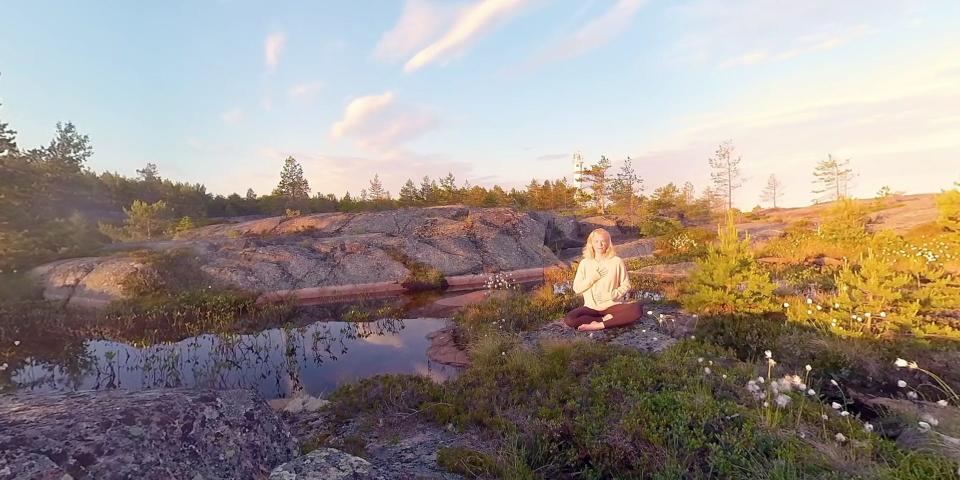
(601,292)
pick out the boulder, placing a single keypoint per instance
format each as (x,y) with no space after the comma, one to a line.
(636,248)
(607,223)
(150,434)
(325,464)
(327,249)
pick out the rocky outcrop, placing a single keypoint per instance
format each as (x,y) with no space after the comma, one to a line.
(328,249)
(649,334)
(669,271)
(151,434)
(325,464)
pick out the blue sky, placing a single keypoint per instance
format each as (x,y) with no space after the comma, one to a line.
(495,91)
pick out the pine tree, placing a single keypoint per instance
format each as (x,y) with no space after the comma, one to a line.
(872,286)
(292,182)
(8,141)
(251,195)
(726,171)
(832,178)
(948,204)
(150,173)
(409,195)
(626,187)
(728,280)
(376,191)
(144,221)
(598,182)
(448,189)
(773,191)
(428,191)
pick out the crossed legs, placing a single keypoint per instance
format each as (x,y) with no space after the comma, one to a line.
(615,316)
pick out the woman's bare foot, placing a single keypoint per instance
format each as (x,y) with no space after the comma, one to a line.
(588,327)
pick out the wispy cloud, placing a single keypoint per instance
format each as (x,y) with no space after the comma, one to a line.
(473,23)
(305,91)
(420,22)
(878,117)
(232,116)
(272,48)
(379,124)
(801,45)
(595,33)
(751,32)
(552,156)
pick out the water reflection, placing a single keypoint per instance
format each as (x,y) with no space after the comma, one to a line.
(278,362)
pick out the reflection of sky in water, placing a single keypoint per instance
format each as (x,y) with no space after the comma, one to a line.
(279,362)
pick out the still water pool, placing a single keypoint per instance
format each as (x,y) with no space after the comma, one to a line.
(278,362)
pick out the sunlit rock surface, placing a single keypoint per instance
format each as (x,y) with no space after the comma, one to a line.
(327,249)
(325,464)
(151,434)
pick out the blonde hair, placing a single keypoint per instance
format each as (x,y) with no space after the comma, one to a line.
(588,248)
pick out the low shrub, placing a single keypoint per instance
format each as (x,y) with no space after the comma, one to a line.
(466,462)
(513,311)
(728,279)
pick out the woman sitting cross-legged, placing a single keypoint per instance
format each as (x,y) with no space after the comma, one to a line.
(602,280)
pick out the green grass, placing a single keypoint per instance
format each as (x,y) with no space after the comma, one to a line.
(586,410)
(513,311)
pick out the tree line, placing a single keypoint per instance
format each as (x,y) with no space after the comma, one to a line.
(52,205)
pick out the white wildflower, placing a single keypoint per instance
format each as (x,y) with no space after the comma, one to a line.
(840,437)
(700,360)
(835,406)
(868,427)
(924,425)
(930,419)
(901,384)
(766,404)
(760,380)
(16,343)
(823,416)
(844,413)
(786,305)
(940,403)
(724,376)
(808,368)
(900,363)
(768,353)
(706,370)
(834,383)
(811,392)
(912,395)
(782,400)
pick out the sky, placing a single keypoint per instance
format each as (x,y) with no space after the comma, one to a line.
(493,91)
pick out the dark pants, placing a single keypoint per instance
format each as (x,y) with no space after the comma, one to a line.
(623,314)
